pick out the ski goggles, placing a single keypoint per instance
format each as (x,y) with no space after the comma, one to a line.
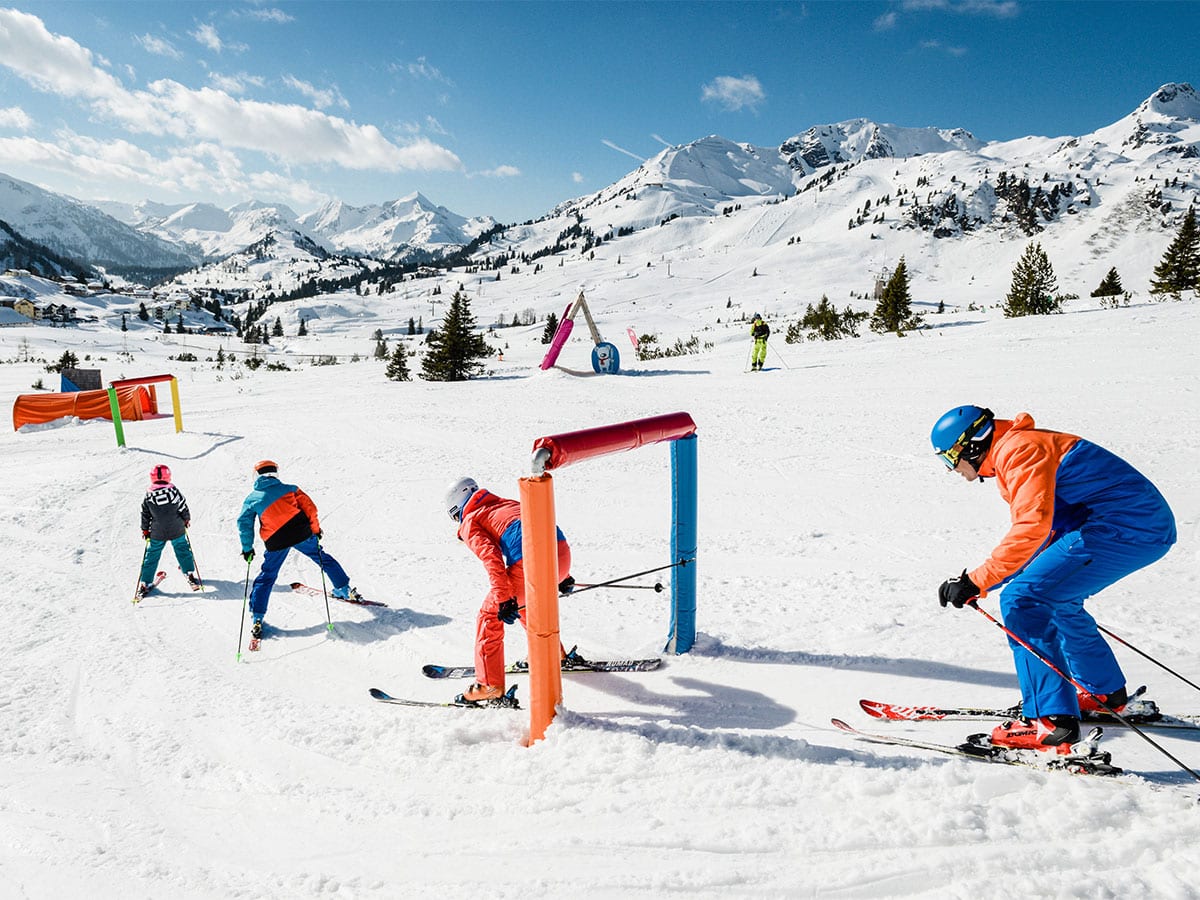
(952,454)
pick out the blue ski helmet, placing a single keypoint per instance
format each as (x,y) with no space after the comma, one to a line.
(964,432)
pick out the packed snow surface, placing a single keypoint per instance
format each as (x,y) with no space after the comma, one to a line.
(139,758)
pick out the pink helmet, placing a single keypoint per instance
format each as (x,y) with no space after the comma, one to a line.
(160,474)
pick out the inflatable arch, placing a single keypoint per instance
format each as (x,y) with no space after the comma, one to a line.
(539,538)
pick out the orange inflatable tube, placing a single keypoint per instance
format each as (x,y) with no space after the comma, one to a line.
(539,547)
(136,402)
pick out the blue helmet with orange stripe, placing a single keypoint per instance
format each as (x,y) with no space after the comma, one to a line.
(964,432)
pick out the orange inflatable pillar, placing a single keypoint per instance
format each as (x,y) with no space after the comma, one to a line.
(539,547)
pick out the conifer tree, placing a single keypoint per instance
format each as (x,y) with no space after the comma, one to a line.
(302,331)
(142,314)
(1110,286)
(824,322)
(277,331)
(455,350)
(397,369)
(894,312)
(551,328)
(1033,291)
(1179,268)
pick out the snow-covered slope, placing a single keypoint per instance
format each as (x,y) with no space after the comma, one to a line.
(139,758)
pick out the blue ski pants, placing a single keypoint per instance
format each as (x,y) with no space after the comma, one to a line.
(1043,605)
(273,559)
(183,553)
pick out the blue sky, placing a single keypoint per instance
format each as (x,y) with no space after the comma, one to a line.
(508,108)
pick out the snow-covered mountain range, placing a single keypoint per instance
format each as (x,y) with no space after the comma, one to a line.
(835,186)
(82,232)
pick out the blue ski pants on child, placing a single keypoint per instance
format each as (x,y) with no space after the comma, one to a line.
(183,553)
(273,559)
(1043,605)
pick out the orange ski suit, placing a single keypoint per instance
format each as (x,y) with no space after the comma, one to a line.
(491,528)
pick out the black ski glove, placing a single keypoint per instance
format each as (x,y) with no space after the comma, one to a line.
(957,592)
(248,555)
(508,612)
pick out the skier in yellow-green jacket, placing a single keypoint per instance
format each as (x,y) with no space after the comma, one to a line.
(760,331)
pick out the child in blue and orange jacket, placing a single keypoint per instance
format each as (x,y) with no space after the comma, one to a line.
(1082,519)
(287,518)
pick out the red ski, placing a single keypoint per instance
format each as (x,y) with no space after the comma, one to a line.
(354,599)
(139,594)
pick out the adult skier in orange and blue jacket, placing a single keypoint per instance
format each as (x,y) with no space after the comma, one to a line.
(491,527)
(1082,518)
(287,518)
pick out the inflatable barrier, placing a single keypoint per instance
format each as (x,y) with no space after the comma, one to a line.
(136,402)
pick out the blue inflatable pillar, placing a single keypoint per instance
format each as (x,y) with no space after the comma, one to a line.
(683,545)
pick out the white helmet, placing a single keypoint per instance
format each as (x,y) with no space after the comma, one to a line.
(457,496)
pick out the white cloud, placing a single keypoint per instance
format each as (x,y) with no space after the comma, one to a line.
(16,118)
(999,9)
(294,133)
(610,144)
(886,22)
(577,177)
(120,169)
(277,16)
(158,46)
(51,62)
(290,134)
(501,172)
(207,35)
(942,48)
(422,69)
(320,98)
(234,84)
(734,94)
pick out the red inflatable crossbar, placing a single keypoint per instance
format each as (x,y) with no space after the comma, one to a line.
(148,379)
(560,450)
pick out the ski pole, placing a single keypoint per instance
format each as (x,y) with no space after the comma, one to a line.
(138,586)
(196,567)
(1147,656)
(321,562)
(779,356)
(245,602)
(657,587)
(1108,709)
(749,356)
(615,582)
